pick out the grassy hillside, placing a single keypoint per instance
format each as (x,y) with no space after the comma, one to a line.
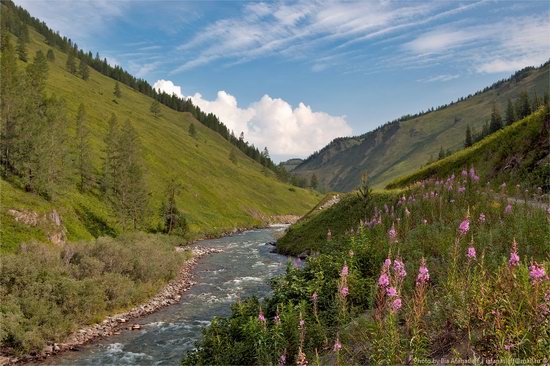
(217,194)
(400,148)
(519,153)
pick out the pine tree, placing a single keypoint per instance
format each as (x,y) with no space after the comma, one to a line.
(83,69)
(38,72)
(71,63)
(83,150)
(510,115)
(110,159)
(314,183)
(468,141)
(192,130)
(441,154)
(233,156)
(21,49)
(130,192)
(50,55)
(117,93)
(523,107)
(174,221)
(496,120)
(155,108)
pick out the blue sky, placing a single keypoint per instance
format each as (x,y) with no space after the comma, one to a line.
(295,75)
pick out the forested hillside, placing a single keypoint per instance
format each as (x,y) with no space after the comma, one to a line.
(404,145)
(84,155)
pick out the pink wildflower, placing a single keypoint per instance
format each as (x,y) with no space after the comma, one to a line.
(387,263)
(471,253)
(261,316)
(345,271)
(508,347)
(282,360)
(383,280)
(423,273)
(391,291)
(508,209)
(314,296)
(482,218)
(399,268)
(464,227)
(472,172)
(344,291)
(464,173)
(337,345)
(536,273)
(461,189)
(302,323)
(392,233)
(514,257)
(396,304)
(277,319)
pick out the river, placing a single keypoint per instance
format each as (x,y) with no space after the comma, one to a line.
(242,269)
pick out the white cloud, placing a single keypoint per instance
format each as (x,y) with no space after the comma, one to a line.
(270,122)
(444,77)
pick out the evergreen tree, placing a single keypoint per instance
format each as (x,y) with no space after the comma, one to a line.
(130,193)
(314,183)
(83,69)
(510,115)
(155,108)
(441,154)
(21,49)
(117,93)
(71,63)
(192,130)
(38,72)
(50,55)
(364,191)
(233,156)
(496,120)
(468,141)
(523,107)
(83,150)
(110,159)
(174,221)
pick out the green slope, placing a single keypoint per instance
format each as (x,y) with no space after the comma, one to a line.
(217,194)
(400,148)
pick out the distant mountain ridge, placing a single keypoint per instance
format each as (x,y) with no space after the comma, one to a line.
(400,147)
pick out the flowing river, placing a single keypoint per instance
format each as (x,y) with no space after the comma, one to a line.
(242,269)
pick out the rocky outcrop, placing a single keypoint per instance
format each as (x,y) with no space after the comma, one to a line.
(112,325)
(49,221)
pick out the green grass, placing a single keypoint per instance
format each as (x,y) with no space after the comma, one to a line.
(391,153)
(217,194)
(518,153)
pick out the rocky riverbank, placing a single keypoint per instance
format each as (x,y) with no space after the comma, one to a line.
(170,294)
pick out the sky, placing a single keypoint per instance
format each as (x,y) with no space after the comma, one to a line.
(295,75)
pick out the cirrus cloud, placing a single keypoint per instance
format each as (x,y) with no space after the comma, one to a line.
(286,130)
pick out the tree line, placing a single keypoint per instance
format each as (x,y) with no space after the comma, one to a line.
(16,20)
(39,154)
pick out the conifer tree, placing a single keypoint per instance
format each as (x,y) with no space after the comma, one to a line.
(83,69)
(174,221)
(117,93)
(441,154)
(192,130)
(50,55)
(155,108)
(109,160)
(496,120)
(21,49)
(71,63)
(468,140)
(83,150)
(523,107)
(37,72)
(510,115)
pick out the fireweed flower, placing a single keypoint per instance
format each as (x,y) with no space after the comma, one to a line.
(464,227)
(399,268)
(423,273)
(514,257)
(392,233)
(472,172)
(461,189)
(508,209)
(482,218)
(314,296)
(337,345)
(396,304)
(261,316)
(383,280)
(536,273)
(344,291)
(387,263)
(464,173)
(471,253)
(391,291)
(282,360)
(277,319)
(345,271)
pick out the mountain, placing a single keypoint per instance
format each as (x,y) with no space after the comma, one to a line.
(222,188)
(291,164)
(518,154)
(402,146)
